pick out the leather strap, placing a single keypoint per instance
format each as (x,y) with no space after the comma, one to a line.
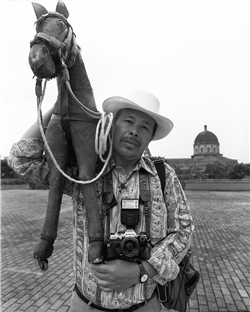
(51,40)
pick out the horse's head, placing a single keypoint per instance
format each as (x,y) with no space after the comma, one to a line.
(52,40)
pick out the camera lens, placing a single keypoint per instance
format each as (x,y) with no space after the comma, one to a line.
(130,247)
(142,239)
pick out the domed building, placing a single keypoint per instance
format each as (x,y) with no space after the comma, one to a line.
(207,143)
(206,149)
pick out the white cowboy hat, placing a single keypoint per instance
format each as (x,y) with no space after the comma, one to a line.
(144,102)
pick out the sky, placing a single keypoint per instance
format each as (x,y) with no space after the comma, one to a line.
(192,55)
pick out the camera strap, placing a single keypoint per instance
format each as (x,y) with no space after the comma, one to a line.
(145,197)
(108,197)
(109,200)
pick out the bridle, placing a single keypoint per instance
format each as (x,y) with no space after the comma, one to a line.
(67,51)
(65,43)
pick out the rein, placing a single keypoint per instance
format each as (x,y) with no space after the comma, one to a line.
(104,124)
(102,137)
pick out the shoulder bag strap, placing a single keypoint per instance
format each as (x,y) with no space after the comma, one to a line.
(159,166)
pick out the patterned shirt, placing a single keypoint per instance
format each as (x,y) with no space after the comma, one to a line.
(168,211)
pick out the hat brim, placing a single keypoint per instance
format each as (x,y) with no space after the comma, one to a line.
(116,103)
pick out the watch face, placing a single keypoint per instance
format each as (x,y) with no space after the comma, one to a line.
(144,278)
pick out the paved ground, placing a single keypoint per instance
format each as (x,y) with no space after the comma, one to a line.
(221,252)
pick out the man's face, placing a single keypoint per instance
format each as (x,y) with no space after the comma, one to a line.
(133,130)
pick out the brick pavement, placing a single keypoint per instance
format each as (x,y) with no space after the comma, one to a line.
(221,251)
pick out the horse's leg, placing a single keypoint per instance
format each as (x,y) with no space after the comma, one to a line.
(59,148)
(83,140)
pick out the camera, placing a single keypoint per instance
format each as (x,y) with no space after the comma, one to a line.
(128,245)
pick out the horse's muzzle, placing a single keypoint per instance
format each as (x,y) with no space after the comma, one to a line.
(41,61)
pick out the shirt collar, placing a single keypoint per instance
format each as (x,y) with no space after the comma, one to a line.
(143,162)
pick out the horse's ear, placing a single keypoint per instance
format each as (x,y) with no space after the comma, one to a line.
(61,8)
(39,10)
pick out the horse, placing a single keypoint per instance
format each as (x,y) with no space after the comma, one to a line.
(71,131)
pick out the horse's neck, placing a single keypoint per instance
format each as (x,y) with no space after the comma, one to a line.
(80,84)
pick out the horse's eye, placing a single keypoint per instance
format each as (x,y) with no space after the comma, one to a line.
(61,23)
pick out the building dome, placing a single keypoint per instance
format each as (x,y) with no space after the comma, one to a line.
(206,143)
(206,137)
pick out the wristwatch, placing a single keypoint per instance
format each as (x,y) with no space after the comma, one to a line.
(143,273)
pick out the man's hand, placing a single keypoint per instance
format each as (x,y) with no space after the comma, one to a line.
(116,274)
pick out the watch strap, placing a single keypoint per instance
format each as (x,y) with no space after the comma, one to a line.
(143,273)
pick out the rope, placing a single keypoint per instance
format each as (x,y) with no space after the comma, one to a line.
(65,74)
(93,114)
(102,137)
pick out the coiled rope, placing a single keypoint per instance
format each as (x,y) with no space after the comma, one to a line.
(103,138)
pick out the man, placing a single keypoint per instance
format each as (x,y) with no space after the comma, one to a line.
(119,284)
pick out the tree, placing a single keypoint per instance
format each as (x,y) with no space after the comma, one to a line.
(217,170)
(220,170)
(6,171)
(229,170)
(239,171)
(196,172)
(209,171)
